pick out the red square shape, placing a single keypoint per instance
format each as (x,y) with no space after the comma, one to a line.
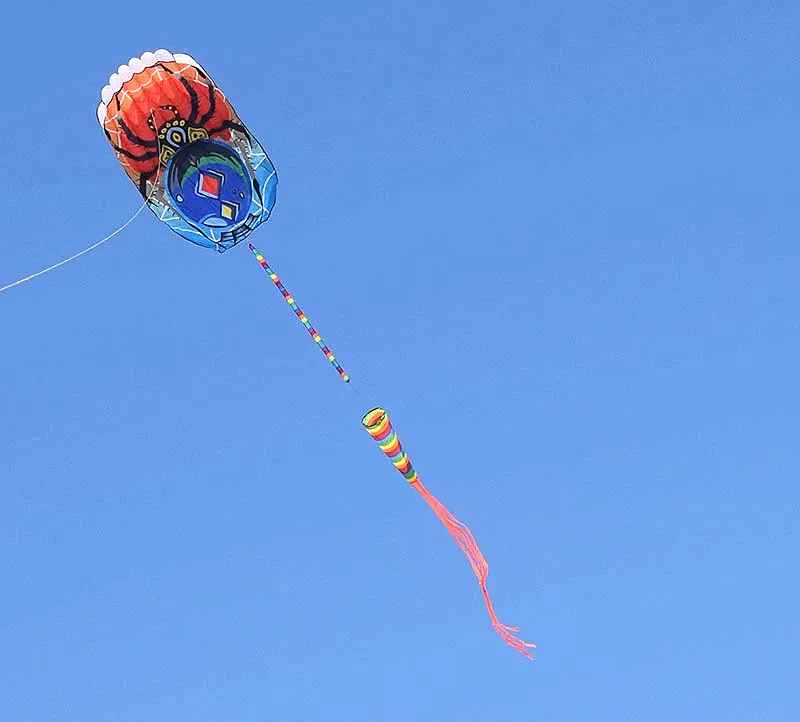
(209,185)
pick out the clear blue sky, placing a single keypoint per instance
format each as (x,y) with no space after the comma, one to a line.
(558,241)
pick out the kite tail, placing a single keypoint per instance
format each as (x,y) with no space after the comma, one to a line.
(299,313)
(378,426)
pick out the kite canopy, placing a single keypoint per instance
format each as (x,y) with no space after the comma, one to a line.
(181,142)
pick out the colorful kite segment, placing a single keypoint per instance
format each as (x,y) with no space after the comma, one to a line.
(299,313)
(378,426)
(198,167)
(202,172)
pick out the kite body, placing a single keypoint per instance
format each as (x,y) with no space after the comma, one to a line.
(182,144)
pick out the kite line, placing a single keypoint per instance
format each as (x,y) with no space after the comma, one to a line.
(94,245)
(76,255)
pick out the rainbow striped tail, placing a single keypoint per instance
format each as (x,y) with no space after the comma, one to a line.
(299,313)
(378,426)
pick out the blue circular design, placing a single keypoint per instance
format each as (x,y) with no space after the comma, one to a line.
(208,185)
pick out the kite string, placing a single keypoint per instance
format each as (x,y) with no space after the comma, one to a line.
(102,240)
(76,255)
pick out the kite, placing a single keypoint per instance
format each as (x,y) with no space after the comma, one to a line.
(202,172)
(180,141)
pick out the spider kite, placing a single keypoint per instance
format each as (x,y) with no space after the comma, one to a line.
(203,173)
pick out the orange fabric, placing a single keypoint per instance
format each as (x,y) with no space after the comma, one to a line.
(152,98)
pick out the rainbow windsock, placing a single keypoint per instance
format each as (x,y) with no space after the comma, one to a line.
(378,426)
(299,313)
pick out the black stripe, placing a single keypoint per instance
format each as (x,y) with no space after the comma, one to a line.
(212,108)
(193,96)
(133,138)
(229,125)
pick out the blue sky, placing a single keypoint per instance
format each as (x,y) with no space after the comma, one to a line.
(557,241)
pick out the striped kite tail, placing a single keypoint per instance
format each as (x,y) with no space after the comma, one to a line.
(377,424)
(299,313)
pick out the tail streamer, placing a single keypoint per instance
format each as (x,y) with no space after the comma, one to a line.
(299,313)
(378,426)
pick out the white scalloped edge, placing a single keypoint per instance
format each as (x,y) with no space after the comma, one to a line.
(133,67)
